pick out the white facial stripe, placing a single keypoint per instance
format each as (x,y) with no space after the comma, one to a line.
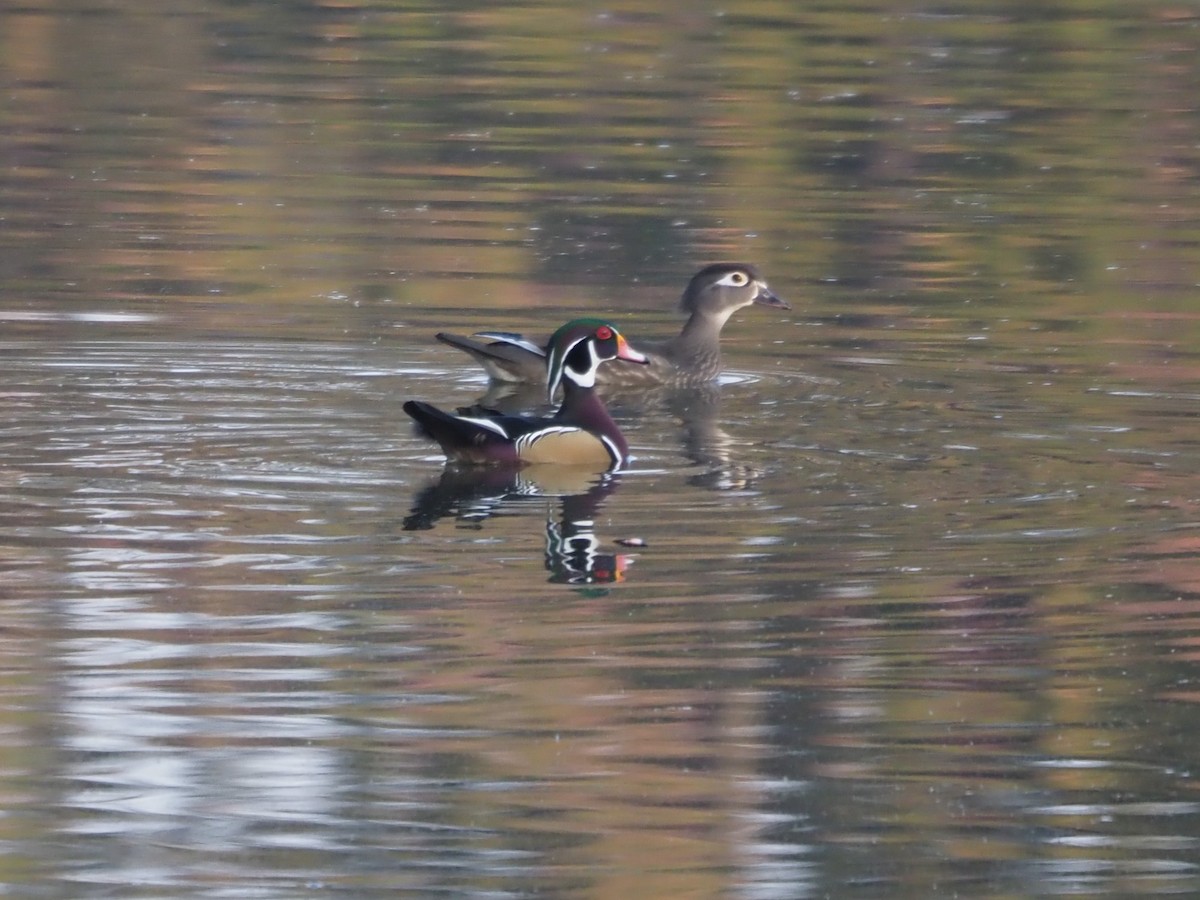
(584,379)
(559,368)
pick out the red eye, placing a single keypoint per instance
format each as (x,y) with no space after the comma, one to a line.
(604,333)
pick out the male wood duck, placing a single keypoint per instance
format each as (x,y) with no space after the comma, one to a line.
(580,433)
(692,357)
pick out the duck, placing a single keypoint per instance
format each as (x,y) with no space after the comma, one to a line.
(692,357)
(580,433)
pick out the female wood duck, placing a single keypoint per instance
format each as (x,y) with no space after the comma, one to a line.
(580,433)
(692,357)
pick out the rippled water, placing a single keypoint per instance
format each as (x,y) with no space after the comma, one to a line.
(905,605)
(852,621)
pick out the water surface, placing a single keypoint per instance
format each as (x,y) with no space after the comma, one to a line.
(906,605)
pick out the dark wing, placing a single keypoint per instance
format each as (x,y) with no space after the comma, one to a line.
(474,439)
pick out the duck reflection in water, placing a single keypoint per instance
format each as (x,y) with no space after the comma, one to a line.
(710,447)
(574,554)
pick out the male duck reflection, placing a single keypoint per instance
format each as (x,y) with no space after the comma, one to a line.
(581,433)
(575,554)
(692,357)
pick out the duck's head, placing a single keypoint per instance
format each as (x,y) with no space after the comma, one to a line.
(722,288)
(578,348)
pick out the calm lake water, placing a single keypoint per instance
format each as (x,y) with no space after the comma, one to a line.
(906,605)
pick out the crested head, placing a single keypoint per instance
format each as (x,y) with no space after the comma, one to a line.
(721,288)
(578,348)
(578,329)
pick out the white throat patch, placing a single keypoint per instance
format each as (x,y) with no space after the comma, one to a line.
(584,379)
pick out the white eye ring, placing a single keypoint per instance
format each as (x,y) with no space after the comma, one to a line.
(736,278)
